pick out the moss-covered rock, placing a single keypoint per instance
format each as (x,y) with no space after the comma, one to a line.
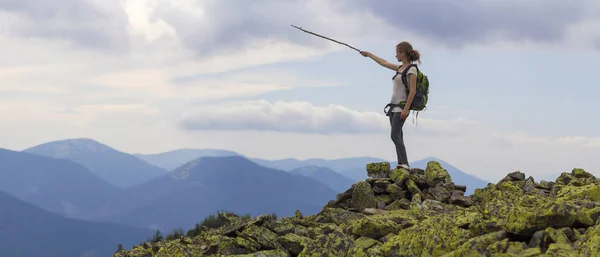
(413,212)
(435,173)
(363,197)
(378,170)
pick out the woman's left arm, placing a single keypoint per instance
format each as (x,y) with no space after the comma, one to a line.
(411,95)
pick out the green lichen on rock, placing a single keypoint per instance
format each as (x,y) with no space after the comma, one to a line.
(363,196)
(399,175)
(413,212)
(435,173)
(378,170)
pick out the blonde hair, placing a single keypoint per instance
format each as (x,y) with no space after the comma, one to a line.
(412,54)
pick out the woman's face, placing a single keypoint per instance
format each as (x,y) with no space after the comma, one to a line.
(399,54)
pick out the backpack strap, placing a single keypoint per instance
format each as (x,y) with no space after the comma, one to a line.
(404,79)
(397,73)
(391,106)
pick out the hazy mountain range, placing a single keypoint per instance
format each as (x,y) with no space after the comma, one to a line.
(350,168)
(27,230)
(118,168)
(80,182)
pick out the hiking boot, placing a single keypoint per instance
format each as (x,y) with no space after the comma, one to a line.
(403,166)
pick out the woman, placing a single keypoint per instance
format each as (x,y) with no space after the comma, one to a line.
(406,55)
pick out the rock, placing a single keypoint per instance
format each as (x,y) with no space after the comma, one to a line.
(294,243)
(399,175)
(363,197)
(266,238)
(545,184)
(337,244)
(581,173)
(412,187)
(381,183)
(462,188)
(415,213)
(380,205)
(435,173)
(439,193)
(457,198)
(577,177)
(268,253)
(513,176)
(337,216)
(529,185)
(364,246)
(342,199)
(374,211)
(399,205)
(378,190)
(378,170)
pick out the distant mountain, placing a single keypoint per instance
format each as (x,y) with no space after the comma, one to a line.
(208,184)
(337,165)
(57,185)
(458,176)
(174,159)
(118,168)
(327,176)
(352,168)
(27,230)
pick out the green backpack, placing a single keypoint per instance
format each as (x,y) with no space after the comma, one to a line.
(419,102)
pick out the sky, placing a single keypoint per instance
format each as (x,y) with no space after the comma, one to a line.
(513,83)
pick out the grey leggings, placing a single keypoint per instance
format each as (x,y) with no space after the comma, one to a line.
(398,137)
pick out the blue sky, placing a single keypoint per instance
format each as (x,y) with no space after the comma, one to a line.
(155,75)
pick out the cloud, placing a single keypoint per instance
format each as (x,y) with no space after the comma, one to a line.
(304,117)
(455,23)
(300,117)
(93,23)
(205,28)
(151,46)
(210,28)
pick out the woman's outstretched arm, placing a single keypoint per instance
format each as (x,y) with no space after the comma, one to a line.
(381,62)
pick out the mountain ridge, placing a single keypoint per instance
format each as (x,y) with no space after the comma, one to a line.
(208,184)
(351,167)
(118,168)
(325,175)
(58,185)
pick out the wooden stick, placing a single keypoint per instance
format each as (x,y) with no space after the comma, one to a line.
(325,38)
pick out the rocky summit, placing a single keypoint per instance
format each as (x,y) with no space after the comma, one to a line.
(416,212)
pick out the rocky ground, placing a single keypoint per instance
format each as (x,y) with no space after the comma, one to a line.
(417,213)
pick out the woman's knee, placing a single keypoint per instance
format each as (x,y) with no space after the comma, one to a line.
(397,138)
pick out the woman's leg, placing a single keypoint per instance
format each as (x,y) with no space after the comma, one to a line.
(398,137)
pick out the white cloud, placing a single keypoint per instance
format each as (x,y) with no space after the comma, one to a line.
(301,117)
(454,24)
(156,45)
(304,117)
(307,131)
